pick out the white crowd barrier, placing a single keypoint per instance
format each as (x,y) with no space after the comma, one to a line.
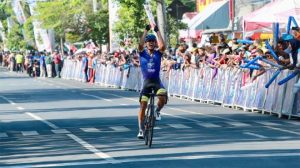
(202,84)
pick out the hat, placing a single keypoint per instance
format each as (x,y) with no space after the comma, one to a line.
(226,51)
(234,47)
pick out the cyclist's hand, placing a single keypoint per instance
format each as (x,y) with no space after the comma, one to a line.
(148,27)
(156,28)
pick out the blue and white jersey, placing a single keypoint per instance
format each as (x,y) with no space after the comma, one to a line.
(150,65)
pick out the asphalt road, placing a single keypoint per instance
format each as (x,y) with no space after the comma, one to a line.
(64,123)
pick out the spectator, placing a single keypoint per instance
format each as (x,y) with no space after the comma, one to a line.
(42,65)
(19,60)
(49,61)
(85,67)
(57,63)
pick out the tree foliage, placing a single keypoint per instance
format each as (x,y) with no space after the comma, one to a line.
(14,35)
(74,20)
(15,39)
(98,25)
(132,19)
(65,15)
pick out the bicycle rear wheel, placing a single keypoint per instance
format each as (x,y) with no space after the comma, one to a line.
(146,126)
(150,130)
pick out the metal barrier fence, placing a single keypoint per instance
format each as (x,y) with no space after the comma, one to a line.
(224,88)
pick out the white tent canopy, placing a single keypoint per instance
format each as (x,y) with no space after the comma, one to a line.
(277,11)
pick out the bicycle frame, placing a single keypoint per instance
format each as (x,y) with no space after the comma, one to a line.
(149,120)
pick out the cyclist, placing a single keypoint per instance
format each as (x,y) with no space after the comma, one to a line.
(150,61)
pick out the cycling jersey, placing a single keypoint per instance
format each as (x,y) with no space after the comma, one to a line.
(150,65)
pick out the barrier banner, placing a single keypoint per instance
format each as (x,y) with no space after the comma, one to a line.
(191,81)
(226,87)
(175,82)
(124,78)
(230,86)
(198,84)
(185,82)
(270,92)
(164,76)
(296,106)
(220,86)
(208,73)
(289,96)
(279,92)
(261,93)
(213,87)
(240,94)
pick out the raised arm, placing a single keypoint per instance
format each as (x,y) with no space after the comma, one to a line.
(142,39)
(161,43)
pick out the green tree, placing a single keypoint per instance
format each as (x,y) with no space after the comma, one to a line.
(132,19)
(29,34)
(74,20)
(98,27)
(14,36)
(15,39)
(65,16)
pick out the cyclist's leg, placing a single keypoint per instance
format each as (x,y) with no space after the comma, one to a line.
(143,107)
(162,98)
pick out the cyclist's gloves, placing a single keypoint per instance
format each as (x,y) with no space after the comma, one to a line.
(156,28)
(148,27)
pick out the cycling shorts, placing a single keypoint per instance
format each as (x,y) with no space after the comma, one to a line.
(147,87)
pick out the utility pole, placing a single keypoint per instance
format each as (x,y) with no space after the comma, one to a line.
(162,19)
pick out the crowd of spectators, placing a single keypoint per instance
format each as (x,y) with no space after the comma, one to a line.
(221,54)
(34,63)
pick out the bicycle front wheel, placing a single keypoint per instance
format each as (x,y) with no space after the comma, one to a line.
(150,130)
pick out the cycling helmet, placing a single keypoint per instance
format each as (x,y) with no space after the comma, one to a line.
(150,37)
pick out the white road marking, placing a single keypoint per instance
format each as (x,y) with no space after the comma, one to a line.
(90,129)
(42,120)
(20,108)
(29,133)
(145,159)
(157,128)
(177,109)
(279,129)
(89,147)
(268,123)
(179,126)
(284,137)
(294,123)
(120,128)
(11,102)
(239,124)
(3,135)
(97,97)
(92,148)
(208,125)
(122,97)
(198,113)
(175,116)
(253,134)
(60,131)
